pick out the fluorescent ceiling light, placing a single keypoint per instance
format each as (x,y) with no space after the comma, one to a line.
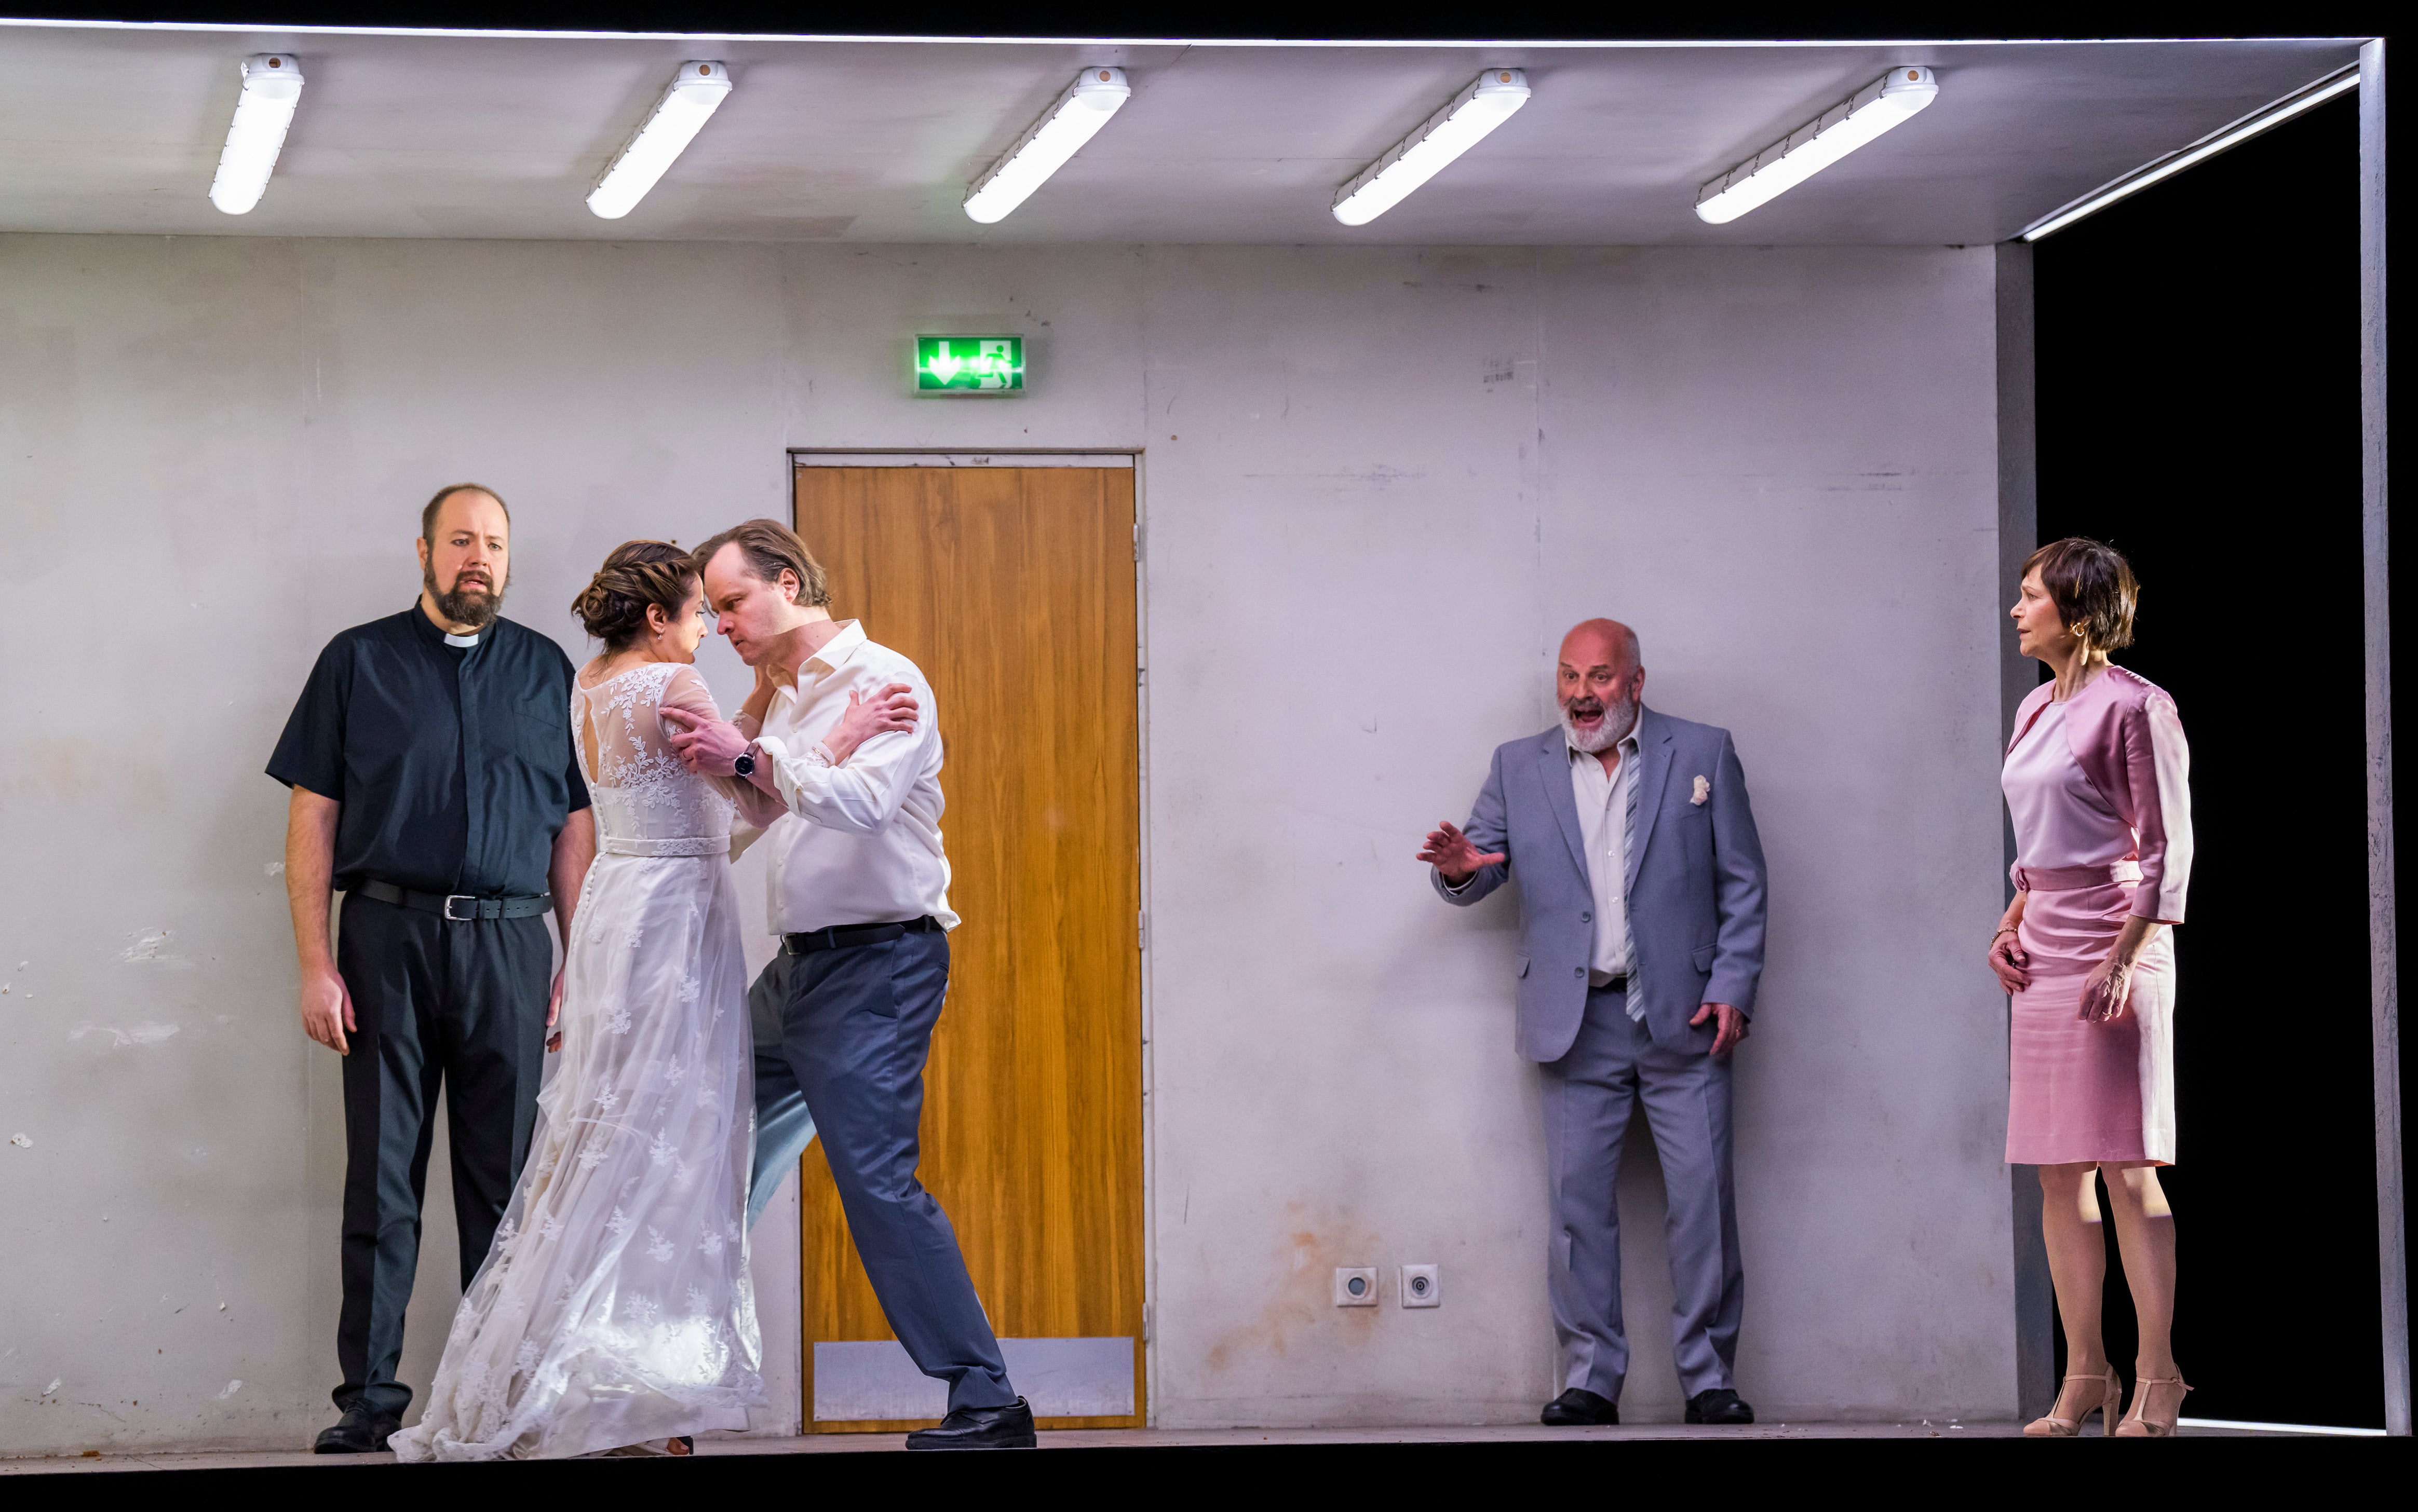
(1012,38)
(2261,119)
(1096,95)
(1888,102)
(272,83)
(1491,99)
(689,101)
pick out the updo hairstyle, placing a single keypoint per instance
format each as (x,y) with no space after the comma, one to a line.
(2093,588)
(613,606)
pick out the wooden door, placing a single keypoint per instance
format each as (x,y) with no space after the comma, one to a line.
(1013,588)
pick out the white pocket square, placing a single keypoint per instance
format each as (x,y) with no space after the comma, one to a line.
(1704,790)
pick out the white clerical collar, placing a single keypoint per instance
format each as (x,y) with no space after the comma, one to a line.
(466,642)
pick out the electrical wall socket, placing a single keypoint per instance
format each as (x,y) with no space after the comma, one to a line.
(1422,1287)
(1355,1286)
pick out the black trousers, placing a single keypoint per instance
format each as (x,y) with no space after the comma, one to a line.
(460,1005)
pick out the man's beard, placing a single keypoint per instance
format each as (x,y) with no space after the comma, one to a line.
(1619,717)
(473,608)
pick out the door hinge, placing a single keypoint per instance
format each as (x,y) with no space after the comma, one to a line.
(1136,540)
(1141,929)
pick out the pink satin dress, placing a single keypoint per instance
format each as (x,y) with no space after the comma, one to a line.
(2099,790)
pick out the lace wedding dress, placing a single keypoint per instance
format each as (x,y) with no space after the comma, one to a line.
(615,1307)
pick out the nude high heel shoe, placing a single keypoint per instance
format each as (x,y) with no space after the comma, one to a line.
(2138,1423)
(2111,1396)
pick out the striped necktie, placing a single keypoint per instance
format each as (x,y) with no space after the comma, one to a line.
(1634,1002)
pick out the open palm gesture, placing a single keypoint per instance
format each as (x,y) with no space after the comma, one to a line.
(1449,853)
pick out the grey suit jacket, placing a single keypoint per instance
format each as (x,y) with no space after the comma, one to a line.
(1695,885)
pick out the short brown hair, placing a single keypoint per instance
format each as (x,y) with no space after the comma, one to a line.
(2093,586)
(770,548)
(428,516)
(613,606)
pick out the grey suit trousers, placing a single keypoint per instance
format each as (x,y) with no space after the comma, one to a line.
(855,1028)
(1589,1094)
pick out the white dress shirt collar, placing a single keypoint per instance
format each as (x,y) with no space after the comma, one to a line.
(836,652)
(832,655)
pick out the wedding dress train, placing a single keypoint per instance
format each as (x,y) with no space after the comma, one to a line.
(615,1307)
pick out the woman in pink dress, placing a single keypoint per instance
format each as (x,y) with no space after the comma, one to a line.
(2096,780)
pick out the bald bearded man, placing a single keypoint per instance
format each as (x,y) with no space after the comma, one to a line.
(1642,917)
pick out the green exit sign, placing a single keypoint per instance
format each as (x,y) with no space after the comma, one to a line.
(969,365)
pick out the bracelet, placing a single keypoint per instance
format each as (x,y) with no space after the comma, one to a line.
(2018,934)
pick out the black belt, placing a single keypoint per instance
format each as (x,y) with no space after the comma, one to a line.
(847,936)
(459,906)
(1618,984)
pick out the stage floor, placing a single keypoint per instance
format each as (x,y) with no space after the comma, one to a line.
(1142,1437)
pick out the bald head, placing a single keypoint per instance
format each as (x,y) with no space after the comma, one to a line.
(1599,680)
(1591,642)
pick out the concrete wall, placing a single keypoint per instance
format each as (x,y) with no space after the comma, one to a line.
(1377,486)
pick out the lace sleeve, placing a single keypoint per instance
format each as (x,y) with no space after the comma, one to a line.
(686,691)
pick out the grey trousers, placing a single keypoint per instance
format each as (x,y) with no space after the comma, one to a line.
(855,1028)
(1589,1093)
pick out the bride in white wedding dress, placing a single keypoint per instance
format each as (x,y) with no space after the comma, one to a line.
(614,1312)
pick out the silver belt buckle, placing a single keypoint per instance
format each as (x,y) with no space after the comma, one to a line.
(471,917)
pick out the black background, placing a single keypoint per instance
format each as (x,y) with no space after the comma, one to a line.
(2199,411)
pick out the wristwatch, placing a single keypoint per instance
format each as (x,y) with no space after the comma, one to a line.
(743,764)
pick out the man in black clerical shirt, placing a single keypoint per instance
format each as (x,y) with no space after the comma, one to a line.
(434,784)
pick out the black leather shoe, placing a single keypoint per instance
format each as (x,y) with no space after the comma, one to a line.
(980,1427)
(1576,1407)
(359,1431)
(1718,1405)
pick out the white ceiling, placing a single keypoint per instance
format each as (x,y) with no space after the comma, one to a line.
(120,130)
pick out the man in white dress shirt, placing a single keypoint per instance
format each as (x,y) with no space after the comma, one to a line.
(859,887)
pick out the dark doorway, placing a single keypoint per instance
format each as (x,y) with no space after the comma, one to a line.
(2199,411)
